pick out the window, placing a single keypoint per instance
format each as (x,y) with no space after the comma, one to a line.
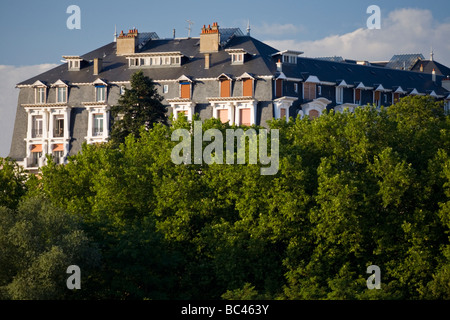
(396,97)
(122,90)
(376,98)
(313,114)
(279,88)
(166,88)
(185,90)
(247,88)
(309,91)
(98,125)
(61,94)
(223,115)
(244,116)
(58,131)
(358,96)
(100,93)
(36,153)
(41,95)
(289,59)
(319,90)
(175,60)
(447,107)
(282,113)
(37,127)
(58,152)
(237,58)
(225,88)
(339,95)
(296,87)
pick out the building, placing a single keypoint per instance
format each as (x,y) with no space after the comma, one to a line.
(223,73)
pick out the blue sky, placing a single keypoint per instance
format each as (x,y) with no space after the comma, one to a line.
(35,35)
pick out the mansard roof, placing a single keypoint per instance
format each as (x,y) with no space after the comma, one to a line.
(261,60)
(115,67)
(370,76)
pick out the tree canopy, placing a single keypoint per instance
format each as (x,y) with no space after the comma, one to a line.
(352,190)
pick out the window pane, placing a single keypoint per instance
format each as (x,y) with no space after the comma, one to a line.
(98,125)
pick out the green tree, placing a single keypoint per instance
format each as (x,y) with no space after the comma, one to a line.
(38,241)
(12,183)
(138,106)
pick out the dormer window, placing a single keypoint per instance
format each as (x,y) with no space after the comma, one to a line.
(237,58)
(41,93)
(73,62)
(289,59)
(155,59)
(61,94)
(100,93)
(237,55)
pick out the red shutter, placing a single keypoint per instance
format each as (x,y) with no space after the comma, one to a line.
(58,147)
(36,148)
(185,90)
(357,95)
(247,88)
(225,88)
(279,88)
(313,114)
(223,115)
(244,115)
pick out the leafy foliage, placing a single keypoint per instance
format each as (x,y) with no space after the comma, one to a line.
(352,190)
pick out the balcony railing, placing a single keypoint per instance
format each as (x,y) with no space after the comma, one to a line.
(36,133)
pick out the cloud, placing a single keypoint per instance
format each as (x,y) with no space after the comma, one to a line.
(402,31)
(9,77)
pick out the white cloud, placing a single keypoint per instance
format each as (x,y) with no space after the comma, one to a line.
(402,31)
(9,77)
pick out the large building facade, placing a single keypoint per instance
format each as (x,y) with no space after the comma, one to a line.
(224,74)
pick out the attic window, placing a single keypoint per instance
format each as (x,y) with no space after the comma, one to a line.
(289,59)
(237,58)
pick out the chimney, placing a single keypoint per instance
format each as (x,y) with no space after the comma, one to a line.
(98,64)
(210,39)
(279,66)
(126,43)
(433,75)
(421,67)
(207,60)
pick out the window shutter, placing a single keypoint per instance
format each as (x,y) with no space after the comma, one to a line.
(247,88)
(223,115)
(225,86)
(185,90)
(244,115)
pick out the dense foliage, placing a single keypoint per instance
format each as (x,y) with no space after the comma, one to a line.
(353,190)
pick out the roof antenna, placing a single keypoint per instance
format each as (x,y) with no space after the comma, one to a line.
(432,54)
(248,28)
(190,27)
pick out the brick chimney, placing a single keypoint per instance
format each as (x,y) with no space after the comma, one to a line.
(98,65)
(126,43)
(210,39)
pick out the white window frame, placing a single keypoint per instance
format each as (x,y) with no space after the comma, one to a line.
(63,96)
(237,58)
(99,88)
(165,88)
(41,95)
(96,125)
(339,95)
